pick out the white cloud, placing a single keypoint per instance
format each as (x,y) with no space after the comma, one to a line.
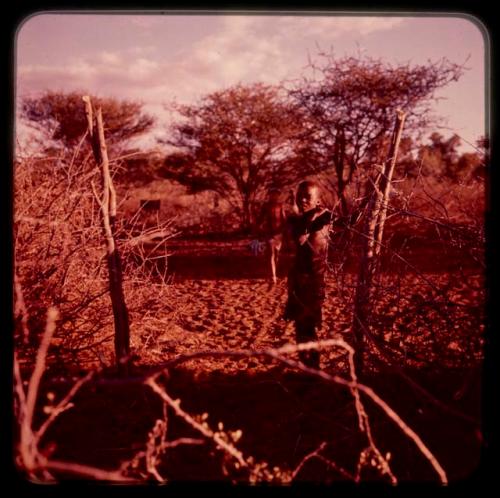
(237,52)
(105,71)
(243,49)
(110,57)
(142,69)
(141,50)
(38,77)
(335,26)
(270,48)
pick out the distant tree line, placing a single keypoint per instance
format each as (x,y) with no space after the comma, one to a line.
(241,141)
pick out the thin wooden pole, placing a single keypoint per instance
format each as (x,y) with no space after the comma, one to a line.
(108,210)
(385,180)
(373,231)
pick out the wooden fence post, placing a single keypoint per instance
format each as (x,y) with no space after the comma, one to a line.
(372,239)
(108,210)
(386,178)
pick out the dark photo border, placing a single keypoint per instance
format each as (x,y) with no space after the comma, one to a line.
(482,483)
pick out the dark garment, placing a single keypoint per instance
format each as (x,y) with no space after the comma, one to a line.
(306,293)
(306,278)
(305,331)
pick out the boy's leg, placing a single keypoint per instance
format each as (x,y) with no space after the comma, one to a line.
(274,248)
(273,262)
(305,331)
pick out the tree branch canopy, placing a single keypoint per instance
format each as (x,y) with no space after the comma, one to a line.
(355,99)
(64,114)
(240,142)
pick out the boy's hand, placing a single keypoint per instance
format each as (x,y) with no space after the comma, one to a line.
(318,212)
(303,238)
(320,219)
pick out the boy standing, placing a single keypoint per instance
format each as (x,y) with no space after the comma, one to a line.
(306,279)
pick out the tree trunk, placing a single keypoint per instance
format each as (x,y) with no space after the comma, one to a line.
(339,160)
(372,240)
(247,215)
(108,210)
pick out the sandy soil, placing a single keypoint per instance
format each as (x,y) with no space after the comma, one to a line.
(228,314)
(231,314)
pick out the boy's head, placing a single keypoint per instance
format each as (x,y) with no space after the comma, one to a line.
(308,196)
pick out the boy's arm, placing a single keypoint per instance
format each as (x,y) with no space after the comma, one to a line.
(325,217)
(322,218)
(348,220)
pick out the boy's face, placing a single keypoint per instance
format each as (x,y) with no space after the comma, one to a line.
(307,198)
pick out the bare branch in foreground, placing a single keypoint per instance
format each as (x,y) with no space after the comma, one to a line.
(29,457)
(316,454)
(203,427)
(20,308)
(62,406)
(279,353)
(86,471)
(34,462)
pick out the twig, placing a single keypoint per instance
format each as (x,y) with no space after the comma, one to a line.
(182,440)
(290,348)
(18,387)
(452,411)
(203,429)
(62,406)
(336,467)
(86,471)
(316,454)
(377,400)
(381,348)
(20,308)
(313,454)
(52,315)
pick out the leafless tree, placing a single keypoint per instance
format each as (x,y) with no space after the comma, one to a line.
(350,108)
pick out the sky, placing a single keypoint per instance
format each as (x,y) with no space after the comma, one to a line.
(157,59)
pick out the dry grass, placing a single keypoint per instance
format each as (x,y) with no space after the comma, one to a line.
(60,260)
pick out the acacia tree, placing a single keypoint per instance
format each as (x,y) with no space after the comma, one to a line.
(239,142)
(64,115)
(441,160)
(351,108)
